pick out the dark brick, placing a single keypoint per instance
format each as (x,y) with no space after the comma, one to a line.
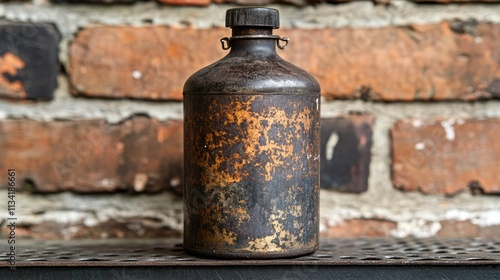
(345,152)
(28,60)
(446,155)
(140,154)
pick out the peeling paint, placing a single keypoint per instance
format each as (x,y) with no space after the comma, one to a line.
(140,181)
(10,64)
(136,74)
(420,146)
(330,145)
(417,123)
(449,129)
(175,182)
(107,183)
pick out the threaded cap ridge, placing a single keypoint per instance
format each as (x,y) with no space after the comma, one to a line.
(257,17)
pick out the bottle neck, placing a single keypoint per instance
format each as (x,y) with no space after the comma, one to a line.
(262,46)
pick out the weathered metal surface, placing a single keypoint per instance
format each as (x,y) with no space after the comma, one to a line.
(251,154)
(252,175)
(335,259)
(332,252)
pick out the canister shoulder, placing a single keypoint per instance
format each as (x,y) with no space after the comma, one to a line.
(241,75)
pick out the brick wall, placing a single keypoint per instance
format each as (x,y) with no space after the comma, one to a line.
(91,112)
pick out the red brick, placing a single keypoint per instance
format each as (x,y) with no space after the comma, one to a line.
(345,161)
(446,155)
(140,62)
(140,154)
(28,60)
(421,62)
(360,228)
(467,229)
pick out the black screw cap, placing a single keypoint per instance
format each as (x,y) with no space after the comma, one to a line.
(257,17)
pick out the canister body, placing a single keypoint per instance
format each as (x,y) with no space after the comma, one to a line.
(251,174)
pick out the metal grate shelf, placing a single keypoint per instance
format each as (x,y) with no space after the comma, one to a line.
(158,256)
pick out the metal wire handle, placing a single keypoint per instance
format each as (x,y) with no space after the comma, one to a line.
(284,39)
(226,43)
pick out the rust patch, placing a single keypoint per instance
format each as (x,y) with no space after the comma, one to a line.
(10,64)
(251,173)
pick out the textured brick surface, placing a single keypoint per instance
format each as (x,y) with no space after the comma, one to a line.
(140,154)
(144,62)
(446,61)
(446,155)
(28,60)
(421,62)
(360,228)
(345,152)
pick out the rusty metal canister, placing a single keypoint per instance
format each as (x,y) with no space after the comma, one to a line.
(251,148)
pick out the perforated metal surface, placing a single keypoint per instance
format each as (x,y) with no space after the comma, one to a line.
(156,252)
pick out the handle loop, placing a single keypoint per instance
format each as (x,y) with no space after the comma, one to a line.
(284,39)
(226,42)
